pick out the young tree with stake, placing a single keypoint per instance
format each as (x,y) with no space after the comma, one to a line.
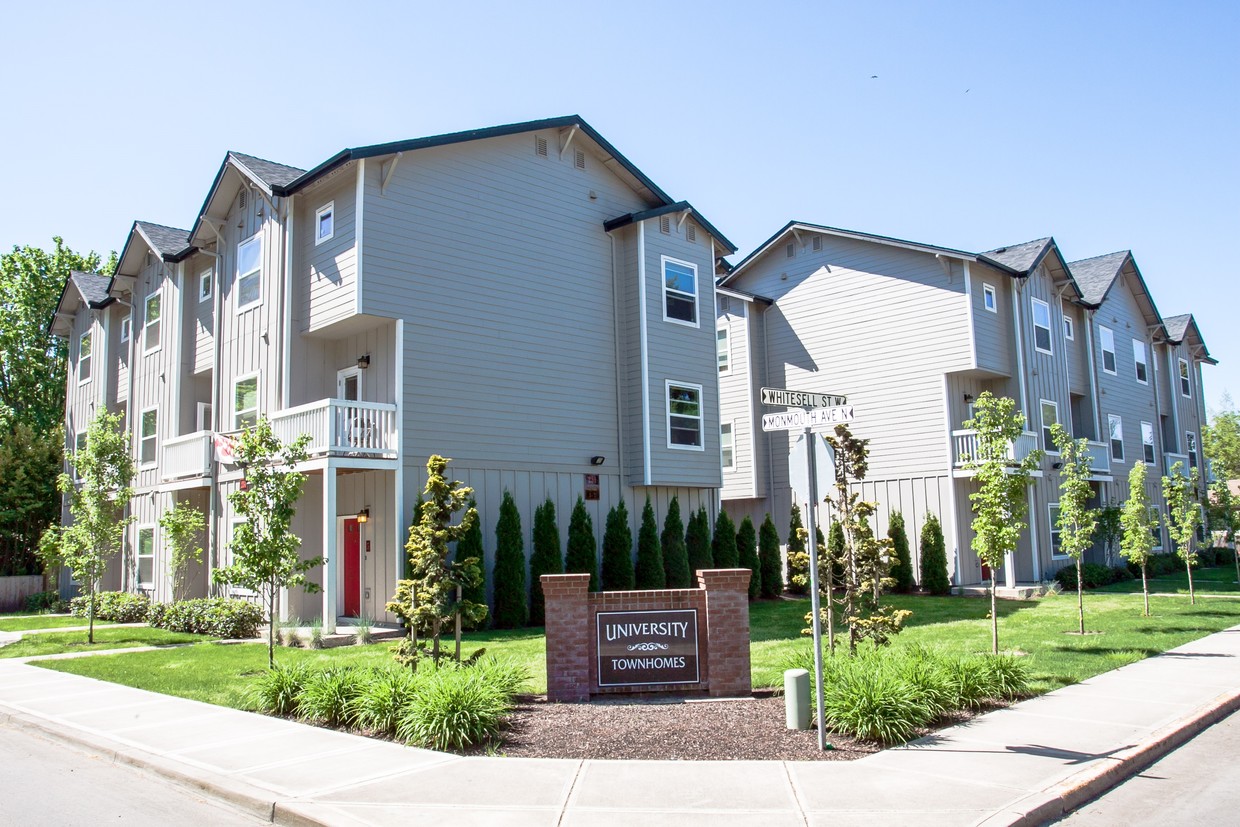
(1183,518)
(1077,521)
(1137,543)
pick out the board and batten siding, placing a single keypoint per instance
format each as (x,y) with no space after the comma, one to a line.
(316,362)
(325,274)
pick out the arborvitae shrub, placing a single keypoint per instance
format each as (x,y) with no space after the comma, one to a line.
(768,559)
(901,560)
(582,556)
(934,558)
(697,544)
(469,546)
(835,550)
(747,553)
(511,609)
(545,559)
(723,546)
(649,573)
(618,551)
(675,554)
(798,558)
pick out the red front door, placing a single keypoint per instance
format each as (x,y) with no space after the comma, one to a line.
(352,568)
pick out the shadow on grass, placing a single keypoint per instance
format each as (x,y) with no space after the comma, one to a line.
(1109,650)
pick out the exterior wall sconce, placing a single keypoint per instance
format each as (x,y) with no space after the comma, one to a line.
(599,460)
(968,397)
(1057,465)
(363,516)
(363,361)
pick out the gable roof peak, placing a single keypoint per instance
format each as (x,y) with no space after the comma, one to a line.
(1096,275)
(271,173)
(1022,257)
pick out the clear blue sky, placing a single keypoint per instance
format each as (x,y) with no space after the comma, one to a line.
(1107,125)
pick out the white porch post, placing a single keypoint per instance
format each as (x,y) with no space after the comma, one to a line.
(329,549)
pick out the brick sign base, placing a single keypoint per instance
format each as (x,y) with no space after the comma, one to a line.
(718,610)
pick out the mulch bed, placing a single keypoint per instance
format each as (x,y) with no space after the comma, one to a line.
(668,729)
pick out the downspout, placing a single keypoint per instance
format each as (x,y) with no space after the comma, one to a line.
(641,300)
(1020,347)
(615,333)
(1094,402)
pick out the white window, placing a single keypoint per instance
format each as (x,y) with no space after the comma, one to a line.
(1106,338)
(1138,358)
(84,360)
(151,324)
(723,348)
(1190,443)
(204,416)
(125,323)
(684,416)
(1042,326)
(245,402)
(1186,384)
(1068,330)
(1056,550)
(146,556)
(1115,429)
(324,222)
(1147,442)
(148,436)
(250,272)
(1050,416)
(679,291)
(989,299)
(725,446)
(204,284)
(791,250)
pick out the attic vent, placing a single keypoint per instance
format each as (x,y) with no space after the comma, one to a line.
(791,249)
(665,224)
(241,199)
(690,233)
(817,243)
(540,146)
(579,159)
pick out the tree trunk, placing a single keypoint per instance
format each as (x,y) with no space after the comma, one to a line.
(435,641)
(457,631)
(1235,555)
(1188,565)
(1145,590)
(994,617)
(271,632)
(90,612)
(1080,599)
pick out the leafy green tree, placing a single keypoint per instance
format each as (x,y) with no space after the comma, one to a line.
(675,553)
(723,545)
(697,544)
(1077,521)
(582,555)
(183,525)
(433,595)
(999,504)
(768,559)
(97,504)
(902,560)
(510,598)
(265,551)
(1224,513)
(650,573)
(1139,525)
(1183,517)
(1109,530)
(1220,441)
(798,557)
(30,464)
(934,577)
(835,554)
(546,559)
(747,551)
(618,551)
(469,546)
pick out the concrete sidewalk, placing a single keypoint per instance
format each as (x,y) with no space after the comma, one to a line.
(1020,765)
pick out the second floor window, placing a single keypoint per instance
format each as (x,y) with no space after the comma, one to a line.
(325,222)
(989,301)
(1147,443)
(1190,444)
(125,323)
(250,273)
(84,360)
(726,454)
(148,438)
(1115,428)
(1106,338)
(151,324)
(1050,416)
(1042,326)
(684,416)
(245,403)
(679,291)
(724,350)
(1186,384)
(1138,358)
(204,284)
(1068,328)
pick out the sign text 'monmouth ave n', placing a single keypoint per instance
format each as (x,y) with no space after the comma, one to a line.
(791,420)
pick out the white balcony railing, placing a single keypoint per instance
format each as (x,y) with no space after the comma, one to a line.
(340,427)
(187,456)
(964,446)
(1171,459)
(1100,456)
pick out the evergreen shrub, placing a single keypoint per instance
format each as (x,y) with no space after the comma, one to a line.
(511,609)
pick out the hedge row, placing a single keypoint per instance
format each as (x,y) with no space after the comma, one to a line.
(216,616)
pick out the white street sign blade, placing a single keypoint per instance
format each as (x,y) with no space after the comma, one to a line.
(801,399)
(818,417)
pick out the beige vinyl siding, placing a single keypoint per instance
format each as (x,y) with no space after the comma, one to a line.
(325,274)
(1077,352)
(992,330)
(201,314)
(316,361)
(117,357)
(736,401)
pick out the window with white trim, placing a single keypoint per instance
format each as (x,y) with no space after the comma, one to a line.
(250,272)
(1067,328)
(1050,416)
(1042,326)
(84,360)
(148,436)
(324,222)
(205,278)
(146,556)
(1056,544)
(245,402)
(723,348)
(684,416)
(151,324)
(1147,442)
(679,291)
(989,299)
(1190,446)
(1186,383)
(125,325)
(1106,339)
(726,454)
(1138,359)
(1115,432)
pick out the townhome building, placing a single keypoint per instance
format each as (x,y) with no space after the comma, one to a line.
(521,299)
(912,334)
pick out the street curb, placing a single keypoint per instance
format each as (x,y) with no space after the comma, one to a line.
(1051,803)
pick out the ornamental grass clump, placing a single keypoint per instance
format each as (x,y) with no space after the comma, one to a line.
(278,691)
(870,701)
(326,696)
(381,700)
(456,709)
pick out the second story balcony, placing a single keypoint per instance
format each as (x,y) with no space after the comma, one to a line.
(342,428)
(1100,458)
(187,457)
(965,445)
(1170,459)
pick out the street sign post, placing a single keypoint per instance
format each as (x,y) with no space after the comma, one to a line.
(801,399)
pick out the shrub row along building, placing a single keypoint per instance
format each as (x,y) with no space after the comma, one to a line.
(524,300)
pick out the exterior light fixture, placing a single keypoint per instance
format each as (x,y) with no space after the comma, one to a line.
(599,460)
(363,516)
(968,397)
(363,361)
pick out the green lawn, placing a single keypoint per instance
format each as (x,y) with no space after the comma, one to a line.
(55,643)
(21,624)
(1217,580)
(220,674)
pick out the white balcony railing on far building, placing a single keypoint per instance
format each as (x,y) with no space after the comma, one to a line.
(964,446)
(187,456)
(1170,459)
(341,428)
(1100,457)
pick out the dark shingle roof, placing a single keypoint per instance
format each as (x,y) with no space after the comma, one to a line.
(1020,257)
(269,172)
(167,241)
(1095,275)
(93,287)
(1177,326)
